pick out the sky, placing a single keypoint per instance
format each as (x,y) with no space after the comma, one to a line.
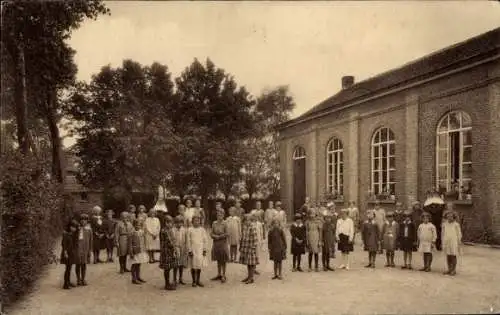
(308,46)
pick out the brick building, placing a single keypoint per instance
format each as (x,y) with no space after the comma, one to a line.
(434,122)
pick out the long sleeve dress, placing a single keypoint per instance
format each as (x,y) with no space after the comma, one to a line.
(152,232)
(234,230)
(298,232)
(109,226)
(168,248)
(276,242)
(451,237)
(137,248)
(220,248)
(371,236)
(98,233)
(407,236)
(84,245)
(390,235)
(329,237)
(427,235)
(248,245)
(314,236)
(197,241)
(181,243)
(122,232)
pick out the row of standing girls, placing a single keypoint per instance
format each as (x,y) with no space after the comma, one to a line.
(407,236)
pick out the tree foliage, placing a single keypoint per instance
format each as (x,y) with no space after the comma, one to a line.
(38,65)
(261,169)
(125,136)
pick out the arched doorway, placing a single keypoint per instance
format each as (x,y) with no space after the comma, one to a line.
(299,178)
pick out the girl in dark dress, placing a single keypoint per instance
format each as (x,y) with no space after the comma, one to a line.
(371,239)
(276,243)
(328,249)
(407,239)
(68,252)
(109,225)
(298,248)
(220,247)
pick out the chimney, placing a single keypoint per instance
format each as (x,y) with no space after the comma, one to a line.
(347,81)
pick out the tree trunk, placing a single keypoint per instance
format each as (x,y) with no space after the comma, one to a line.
(20,97)
(57,161)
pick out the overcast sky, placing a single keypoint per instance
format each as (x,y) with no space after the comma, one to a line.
(306,45)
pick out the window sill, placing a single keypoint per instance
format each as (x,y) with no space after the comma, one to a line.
(387,202)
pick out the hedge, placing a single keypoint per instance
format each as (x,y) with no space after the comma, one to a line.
(32,216)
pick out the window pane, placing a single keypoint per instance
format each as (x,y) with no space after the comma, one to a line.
(392,149)
(466,120)
(443,156)
(376,189)
(391,135)
(341,179)
(376,177)
(330,158)
(467,137)
(443,127)
(330,169)
(384,151)
(443,141)
(384,177)
(392,162)
(377,137)
(392,176)
(383,134)
(467,157)
(443,173)
(466,170)
(454,121)
(341,168)
(384,164)
(375,151)
(341,156)
(392,188)
(376,164)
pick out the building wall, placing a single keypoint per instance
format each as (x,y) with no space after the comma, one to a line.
(413,115)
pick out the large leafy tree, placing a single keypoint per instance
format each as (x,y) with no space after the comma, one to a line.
(211,105)
(125,139)
(261,167)
(34,41)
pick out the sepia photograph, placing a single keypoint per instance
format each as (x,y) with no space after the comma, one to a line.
(249,157)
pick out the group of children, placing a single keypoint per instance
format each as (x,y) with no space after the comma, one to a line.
(183,242)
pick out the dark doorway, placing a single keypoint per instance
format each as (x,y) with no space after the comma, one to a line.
(299,178)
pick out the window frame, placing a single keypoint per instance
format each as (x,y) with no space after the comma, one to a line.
(461,130)
(335,179)
(299,153)
(376,146)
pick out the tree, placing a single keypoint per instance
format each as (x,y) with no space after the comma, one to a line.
(209,101)
(125,136)
(261,170)
(34,35)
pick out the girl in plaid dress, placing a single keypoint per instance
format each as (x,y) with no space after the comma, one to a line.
(169,252)
(248,247)
(180,233)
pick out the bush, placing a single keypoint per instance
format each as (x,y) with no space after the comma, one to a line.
(32,215)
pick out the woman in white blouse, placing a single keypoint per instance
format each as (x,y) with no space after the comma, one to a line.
(152,232)
(345,237)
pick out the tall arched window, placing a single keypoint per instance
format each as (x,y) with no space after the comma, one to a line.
(299,153)
(335,167)
(383,179)
(454,154)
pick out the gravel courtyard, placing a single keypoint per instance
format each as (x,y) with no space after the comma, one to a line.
(476,289)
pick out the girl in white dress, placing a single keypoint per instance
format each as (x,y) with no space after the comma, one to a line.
(152,231)
(451,238)
(234,229)
(197,244)
(427,235)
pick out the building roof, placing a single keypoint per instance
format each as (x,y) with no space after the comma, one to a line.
(448,58)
